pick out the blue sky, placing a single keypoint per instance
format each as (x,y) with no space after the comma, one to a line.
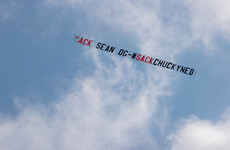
(58,94)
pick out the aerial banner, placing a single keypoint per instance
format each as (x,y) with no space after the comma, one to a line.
(135,56)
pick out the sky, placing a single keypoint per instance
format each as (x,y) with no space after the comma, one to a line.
(56,94)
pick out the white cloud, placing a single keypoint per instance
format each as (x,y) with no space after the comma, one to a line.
(117,106)
(162,28)
(142,21)
(209,19)
(197,134)
(112,109)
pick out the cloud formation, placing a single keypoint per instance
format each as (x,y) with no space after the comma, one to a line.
(208,20)
(198,134)
(117,106)
(112,109)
